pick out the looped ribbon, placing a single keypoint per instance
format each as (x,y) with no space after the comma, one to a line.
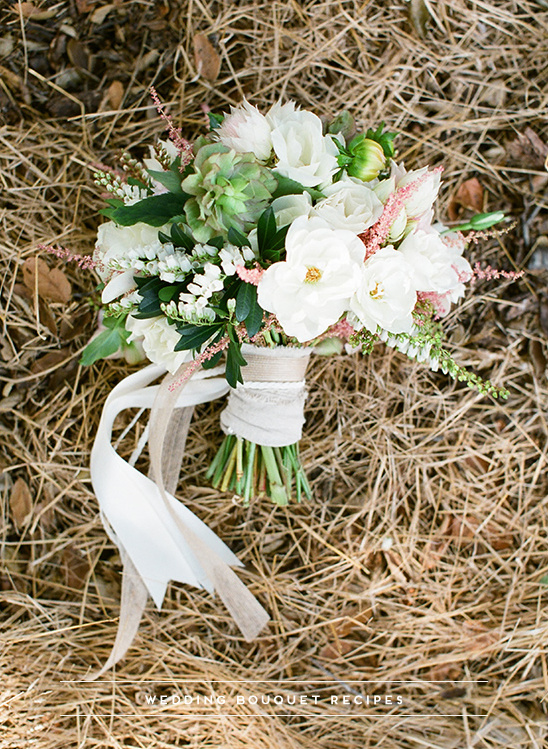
(158,537)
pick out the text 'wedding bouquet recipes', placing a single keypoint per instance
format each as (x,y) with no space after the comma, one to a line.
(226,262)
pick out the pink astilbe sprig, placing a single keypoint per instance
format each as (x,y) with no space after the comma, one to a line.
(488,273)
(194,365)
(175,133)
(374,237)
(84,261)
(250,275)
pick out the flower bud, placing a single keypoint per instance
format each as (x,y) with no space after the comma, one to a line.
(368,159)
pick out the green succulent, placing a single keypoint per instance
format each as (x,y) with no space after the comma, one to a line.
(228,189)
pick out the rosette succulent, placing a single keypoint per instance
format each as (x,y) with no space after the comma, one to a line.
(228,189)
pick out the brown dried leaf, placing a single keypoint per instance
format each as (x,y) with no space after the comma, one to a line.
(469,195)
(75,325)
(482,638)
(334,650)
(466,531)
(528,150)
(76,568)
(84,6)
(537,357)
(46,316)
(52,283)
(419,16)
(436,547)
(477,464)
(354,618)
(115,94)
(543,314)
(20,503)
(206,57)
(78,54)
(28,10)
(98,16)
(48,361)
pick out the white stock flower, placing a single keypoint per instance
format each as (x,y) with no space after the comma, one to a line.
(349,204)
(436,265)
(311,289)
(117,243)
(386,295)
(158,339)
(303,153)
(232,256)
(290,207)
(246,130)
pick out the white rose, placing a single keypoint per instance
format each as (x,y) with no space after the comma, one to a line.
(349,204)
(246,130)
(436,265)
(290,207)
(115,242)
(311,289)
(158,339)
(304,154)
(386,295)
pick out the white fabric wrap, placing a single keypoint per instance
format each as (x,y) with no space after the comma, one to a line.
(268,409)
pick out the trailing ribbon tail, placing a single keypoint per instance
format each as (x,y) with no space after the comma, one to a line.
(161,537)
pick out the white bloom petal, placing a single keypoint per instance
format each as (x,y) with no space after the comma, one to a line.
(246,130)
(119,284)
(386,296)
(158,339)
(349,204)
(118,243)
(290,207)
(436,265)
(311,289)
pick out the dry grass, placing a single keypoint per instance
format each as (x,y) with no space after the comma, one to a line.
(417,568)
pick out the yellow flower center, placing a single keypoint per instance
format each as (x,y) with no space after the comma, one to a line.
(377,292)
(313,275)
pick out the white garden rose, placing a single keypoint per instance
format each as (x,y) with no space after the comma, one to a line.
(246,130)
(290,207)
(349,204)
(311,289)
(436,265)
(385,295)
(303,153)
(115,242)
(158,339)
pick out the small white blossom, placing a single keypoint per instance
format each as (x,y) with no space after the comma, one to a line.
(118,246)
(168,150)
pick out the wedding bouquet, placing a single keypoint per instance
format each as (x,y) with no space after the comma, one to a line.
(265,237)
(226,262)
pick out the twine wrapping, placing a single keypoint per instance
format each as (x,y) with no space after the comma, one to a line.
(268,409)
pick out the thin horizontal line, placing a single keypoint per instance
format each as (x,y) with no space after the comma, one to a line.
(270,681)
(285,715)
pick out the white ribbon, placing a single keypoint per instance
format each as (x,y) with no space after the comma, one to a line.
(160,537)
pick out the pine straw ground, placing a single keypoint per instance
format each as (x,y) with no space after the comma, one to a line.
(418,567)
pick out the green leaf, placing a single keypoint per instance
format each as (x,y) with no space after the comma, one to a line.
(254,320)
(154,211)
(114,202)
(217,242)
(181,239)
(193,336)
(233,372)
(167,293)
(287,186)
(215,359)
(170,179)
(245,299)
(278,241)
(237,238)
(266,228)
(215,120)
(106,343)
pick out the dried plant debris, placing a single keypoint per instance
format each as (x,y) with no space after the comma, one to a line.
(420,567)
